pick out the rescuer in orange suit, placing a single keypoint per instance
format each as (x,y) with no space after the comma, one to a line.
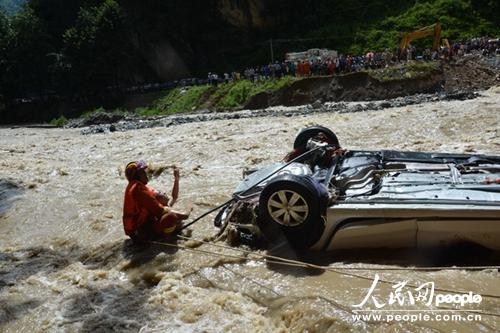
(148,215)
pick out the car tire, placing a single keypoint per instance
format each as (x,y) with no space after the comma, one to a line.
(293,206)
(310,132)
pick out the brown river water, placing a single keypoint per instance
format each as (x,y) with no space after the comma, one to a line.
(66,266)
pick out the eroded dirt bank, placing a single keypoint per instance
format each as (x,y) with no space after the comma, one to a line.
(469,73)
(66,265)
(350,87)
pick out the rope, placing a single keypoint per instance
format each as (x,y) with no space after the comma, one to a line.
(265,258)
(362,268)
(335,303)
(296,263)
(205,214)
(253,281)
(241,258)
(340,306)
(253,186)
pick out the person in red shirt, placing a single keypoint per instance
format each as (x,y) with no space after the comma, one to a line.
(307,68)
(148,215)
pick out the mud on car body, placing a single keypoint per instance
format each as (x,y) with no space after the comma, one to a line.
(327,198)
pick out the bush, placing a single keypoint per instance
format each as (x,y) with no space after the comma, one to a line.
(147,111)
(179,100)
(87,114)
(226,95)
(238,93)
(410,70)
(61,121)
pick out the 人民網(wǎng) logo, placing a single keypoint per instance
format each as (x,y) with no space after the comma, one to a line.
(404,294)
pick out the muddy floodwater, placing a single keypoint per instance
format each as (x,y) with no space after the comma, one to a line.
(66,266)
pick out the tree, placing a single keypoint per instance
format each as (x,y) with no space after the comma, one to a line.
(5,38)
(26,55)
(99,48)
(57,15)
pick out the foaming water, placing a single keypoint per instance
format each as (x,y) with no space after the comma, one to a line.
(66,265)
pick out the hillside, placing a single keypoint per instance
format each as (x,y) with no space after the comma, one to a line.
(80,49)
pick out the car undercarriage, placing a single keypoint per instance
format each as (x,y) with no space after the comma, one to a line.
(324,197)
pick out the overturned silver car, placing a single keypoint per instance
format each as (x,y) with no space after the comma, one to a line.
(325,198)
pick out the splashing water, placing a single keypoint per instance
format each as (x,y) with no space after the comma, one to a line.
(66,265)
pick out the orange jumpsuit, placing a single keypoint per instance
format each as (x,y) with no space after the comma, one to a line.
(142,213)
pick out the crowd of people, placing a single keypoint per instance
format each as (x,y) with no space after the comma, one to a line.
(313,66)
(346,63)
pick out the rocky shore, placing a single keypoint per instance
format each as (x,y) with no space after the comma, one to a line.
(102,122)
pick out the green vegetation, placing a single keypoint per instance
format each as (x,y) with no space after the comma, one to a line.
(460,19)
(236,94)
(88,114)
(100,36)
(61,121)
(411,70)
(226,95)
(181,100)
(86,49)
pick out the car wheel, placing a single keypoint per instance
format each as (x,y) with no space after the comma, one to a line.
(310,132)
(293,206)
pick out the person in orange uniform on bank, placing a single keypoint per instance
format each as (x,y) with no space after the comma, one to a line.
(148,215)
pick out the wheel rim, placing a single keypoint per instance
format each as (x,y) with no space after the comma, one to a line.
(288,208)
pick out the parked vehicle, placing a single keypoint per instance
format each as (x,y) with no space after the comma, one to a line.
(326,198)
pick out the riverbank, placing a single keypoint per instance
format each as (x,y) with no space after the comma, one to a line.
(404,84)
(102,122)
(464,75)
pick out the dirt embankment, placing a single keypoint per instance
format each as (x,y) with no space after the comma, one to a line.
(465,74)
(352,87)
(471,73)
